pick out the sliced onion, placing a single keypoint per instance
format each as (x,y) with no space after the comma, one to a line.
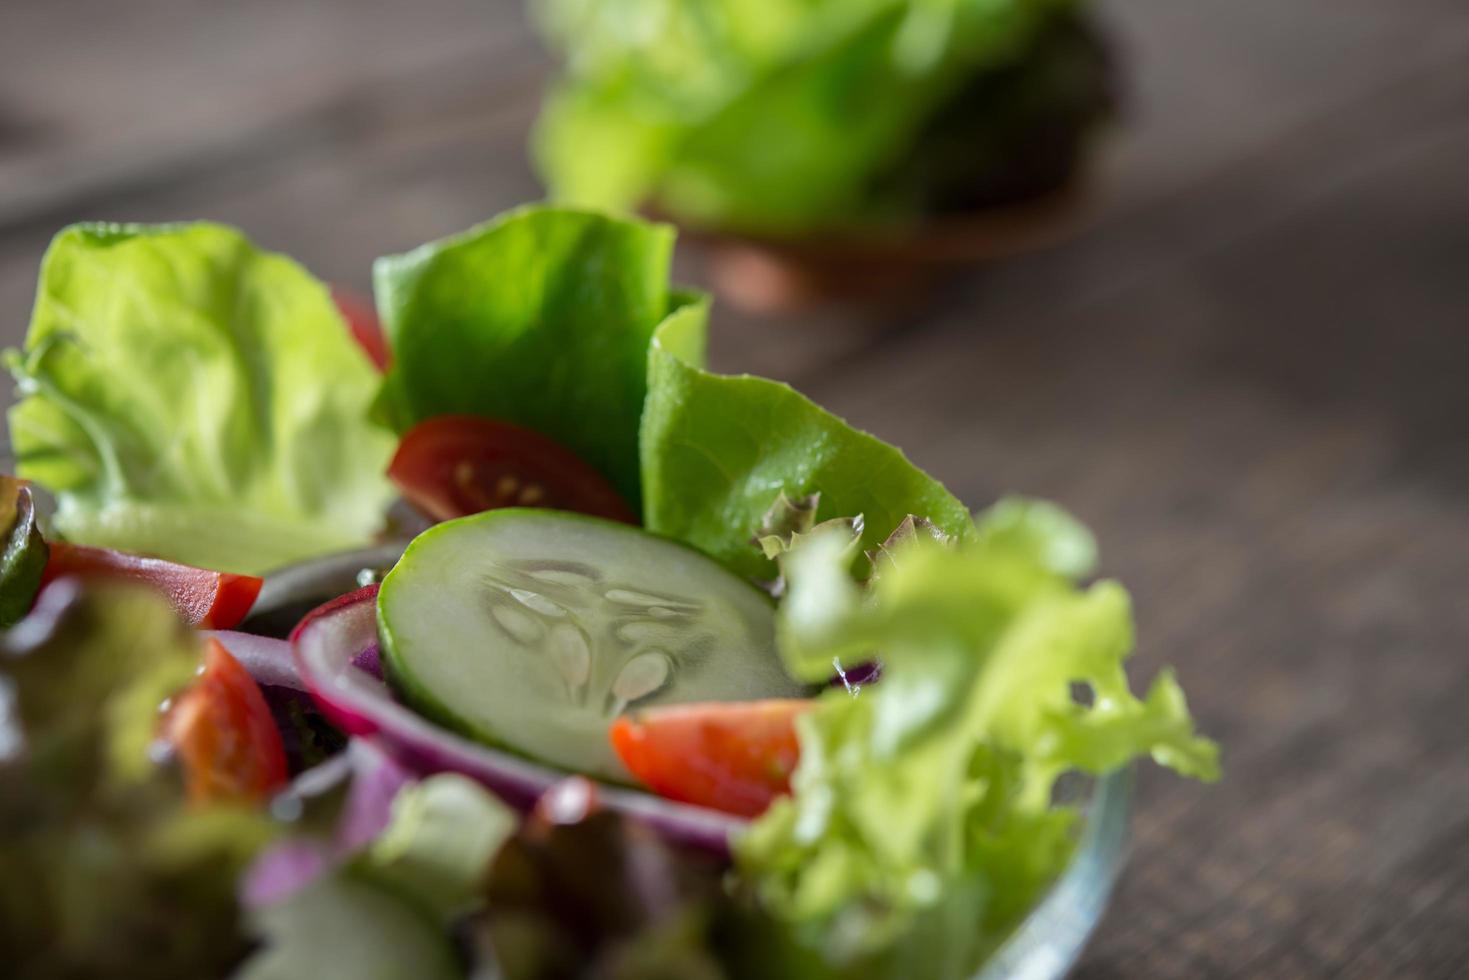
(330,646)
(267,659)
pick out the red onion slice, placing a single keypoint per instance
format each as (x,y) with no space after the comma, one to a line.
(267,659)
(329,646)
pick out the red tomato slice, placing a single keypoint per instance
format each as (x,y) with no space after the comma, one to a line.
(208,600)
(735,756)
(454,465)
(366,328)
(224,735)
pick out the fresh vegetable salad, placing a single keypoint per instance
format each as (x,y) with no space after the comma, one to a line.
(683,676)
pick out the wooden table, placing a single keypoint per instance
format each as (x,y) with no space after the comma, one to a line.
(1250,375)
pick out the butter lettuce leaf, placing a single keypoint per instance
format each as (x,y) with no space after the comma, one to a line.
(541,317)
(190,396)
(717,450)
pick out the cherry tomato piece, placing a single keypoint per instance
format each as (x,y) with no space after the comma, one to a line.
(224,735)
(735,756)
(454,465)
(366,328)
(208,600)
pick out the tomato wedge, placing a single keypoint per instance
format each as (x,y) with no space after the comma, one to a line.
(366,328)
(735,756)
(224,735)
(455,465)
(208,600)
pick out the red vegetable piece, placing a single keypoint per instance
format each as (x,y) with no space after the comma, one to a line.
(224,735)
(453,465)
(208,600)
(366,328)
(733,756)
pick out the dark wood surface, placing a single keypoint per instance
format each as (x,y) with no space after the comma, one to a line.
(1250,373)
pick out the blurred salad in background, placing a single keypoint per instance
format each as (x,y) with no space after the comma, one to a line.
(790,119)
(684,676)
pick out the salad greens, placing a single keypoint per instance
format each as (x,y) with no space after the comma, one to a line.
(936,785)
(788,116)
(189,396)
(100,861)
(540,317)
(717,450)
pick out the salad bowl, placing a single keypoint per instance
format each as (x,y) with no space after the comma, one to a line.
(674,667)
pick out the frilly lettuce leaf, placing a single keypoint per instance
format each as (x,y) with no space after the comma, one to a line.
(935,785)
(541,317)
(1044,531)
(717,449)
(189,396)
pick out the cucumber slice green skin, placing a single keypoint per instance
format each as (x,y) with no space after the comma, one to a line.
(534,629)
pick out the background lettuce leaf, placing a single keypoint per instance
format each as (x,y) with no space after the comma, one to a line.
(541,317)
(782,116)
(717,450)
(189,396)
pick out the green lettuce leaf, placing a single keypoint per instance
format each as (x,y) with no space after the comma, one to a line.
(935,786)
(783,116)
(100,860)
(349,925)
(189,396)
(1042,530)
(717,450)
(541,317)
(444,832)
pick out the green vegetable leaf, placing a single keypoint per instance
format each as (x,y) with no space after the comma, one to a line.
(349,925)
(90,669)
(100,861)
(189,396)
(935,786)
(1044,531)
(717,450)
(444,832)
(22,551)
(541,317)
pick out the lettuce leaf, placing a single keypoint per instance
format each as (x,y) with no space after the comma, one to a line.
(541,317)
(779,116)
(936,785)
(717,450)
(345,926)
(100,860)
(189,396)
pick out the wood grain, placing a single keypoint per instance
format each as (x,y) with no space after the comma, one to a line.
(1248,373)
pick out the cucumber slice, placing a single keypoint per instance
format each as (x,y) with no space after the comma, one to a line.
(534,629)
